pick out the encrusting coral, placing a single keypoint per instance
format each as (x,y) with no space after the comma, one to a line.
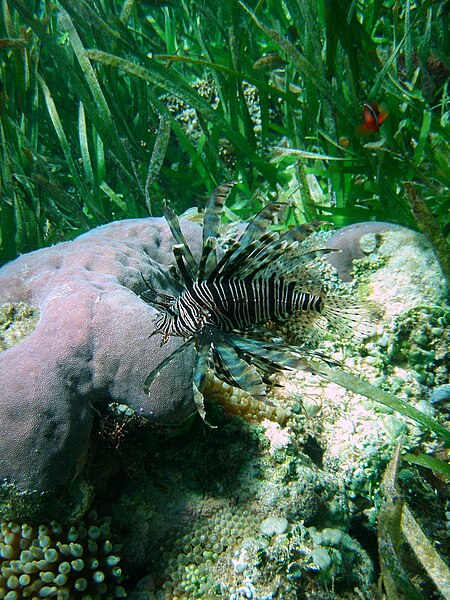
(239,402)
(56,562)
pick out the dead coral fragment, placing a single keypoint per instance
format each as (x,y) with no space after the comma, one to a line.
(17,321)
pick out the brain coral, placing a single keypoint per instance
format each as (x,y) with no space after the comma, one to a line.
(91,343)
(52,562)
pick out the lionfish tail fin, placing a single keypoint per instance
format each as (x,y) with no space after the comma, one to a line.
(348,317)
(343,317)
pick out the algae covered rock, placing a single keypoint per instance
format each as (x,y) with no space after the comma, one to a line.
(403,277)
(355,242)
(402,271)
(223,501)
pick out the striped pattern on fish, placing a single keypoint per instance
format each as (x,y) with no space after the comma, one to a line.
(242,310)
(235,304)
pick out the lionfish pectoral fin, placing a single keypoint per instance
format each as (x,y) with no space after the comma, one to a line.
(330,361)
(199,377)
(199,401)
(238,371)
(275,357)
(157,370)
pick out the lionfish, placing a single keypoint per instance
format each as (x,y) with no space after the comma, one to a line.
(240,310)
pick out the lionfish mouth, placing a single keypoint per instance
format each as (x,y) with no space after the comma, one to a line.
(249,312)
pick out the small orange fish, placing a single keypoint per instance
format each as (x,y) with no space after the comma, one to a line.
(374,116)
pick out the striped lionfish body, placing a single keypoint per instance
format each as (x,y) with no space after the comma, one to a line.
(235,304)
(236,308)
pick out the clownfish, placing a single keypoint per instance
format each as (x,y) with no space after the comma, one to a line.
(374,116)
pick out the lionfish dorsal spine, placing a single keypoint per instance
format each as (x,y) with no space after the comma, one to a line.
(260,223)
(224,262)
(254,234)
(214,210)
(175,228)
(233,263)
(266,258)
(186,272)
(208,258)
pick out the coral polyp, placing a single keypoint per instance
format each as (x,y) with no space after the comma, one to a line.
(57,562)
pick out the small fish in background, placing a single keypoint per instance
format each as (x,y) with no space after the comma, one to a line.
(374,116)
(344,142)
(269,62)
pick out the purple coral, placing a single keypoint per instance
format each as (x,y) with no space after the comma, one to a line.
(91,344)
(348,241)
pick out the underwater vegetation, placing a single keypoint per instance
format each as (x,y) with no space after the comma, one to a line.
(395,518)
(167,100)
